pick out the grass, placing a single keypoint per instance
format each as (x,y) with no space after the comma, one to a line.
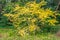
(9,34)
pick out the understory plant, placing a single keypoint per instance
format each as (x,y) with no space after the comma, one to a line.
(32,17)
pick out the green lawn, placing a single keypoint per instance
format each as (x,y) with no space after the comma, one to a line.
(9,34)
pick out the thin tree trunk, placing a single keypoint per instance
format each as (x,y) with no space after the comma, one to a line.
(58,7)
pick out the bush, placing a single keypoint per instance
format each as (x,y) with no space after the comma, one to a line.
(31,17)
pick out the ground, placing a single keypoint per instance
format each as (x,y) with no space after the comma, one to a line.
(8,34)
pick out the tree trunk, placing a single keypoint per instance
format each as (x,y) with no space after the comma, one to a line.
(58,7)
